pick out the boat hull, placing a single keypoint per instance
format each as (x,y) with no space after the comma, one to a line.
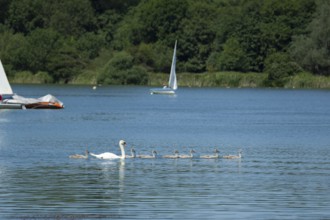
(162,91)
(11,106)
(44,105)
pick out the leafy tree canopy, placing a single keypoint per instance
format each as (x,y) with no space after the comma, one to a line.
(64,38)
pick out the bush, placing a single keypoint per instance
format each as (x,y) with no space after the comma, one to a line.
(43,77)
(194,65)
(115,70)
(121,61)
(87,77)
(307,80)
(22,77)
(137,76)
(212,63)
(121,71)
(280,69)
(29,77)
(233,57)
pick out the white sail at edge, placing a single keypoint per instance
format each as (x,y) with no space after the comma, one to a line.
(5,88)
(172,83)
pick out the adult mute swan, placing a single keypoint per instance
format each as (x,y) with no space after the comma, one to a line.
(110,156)
(215,156)
(175,156)
(133,154)
(233,156)
(79,156)
(153,156)
(188,156)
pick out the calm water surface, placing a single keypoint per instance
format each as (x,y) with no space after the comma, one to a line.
(284,172)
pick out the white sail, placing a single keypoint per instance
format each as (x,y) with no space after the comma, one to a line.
(172,83)
(5,88)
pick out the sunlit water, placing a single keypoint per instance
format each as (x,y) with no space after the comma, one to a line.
(284,172)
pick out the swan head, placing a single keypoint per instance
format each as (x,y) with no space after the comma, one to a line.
(216,151)
(192,151)
(122,143)
(154,152)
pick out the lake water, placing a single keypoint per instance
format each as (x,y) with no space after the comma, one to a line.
(284,172)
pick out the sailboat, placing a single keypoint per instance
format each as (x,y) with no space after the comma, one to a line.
(9,100)
(6,91)
(172,82)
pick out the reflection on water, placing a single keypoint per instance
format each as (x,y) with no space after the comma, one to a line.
(164,187)
(284,172)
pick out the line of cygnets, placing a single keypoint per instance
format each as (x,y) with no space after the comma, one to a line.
(176,155)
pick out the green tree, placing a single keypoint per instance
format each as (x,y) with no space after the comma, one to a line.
(160,19)
(107,23)
(90,45)
(121,70)
(64,38)
(72,18)
(24,15)
(280,69)
(312,51)
(196,35)
(42,45)
(233,57)
(4,5)
(263,27)
(120,7)
(16,51)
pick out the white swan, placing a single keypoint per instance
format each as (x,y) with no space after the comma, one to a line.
(153,156)
(188,156)
(133,154)
(233,156)
(175,156)
(215,156)
(110,156)
(79,156)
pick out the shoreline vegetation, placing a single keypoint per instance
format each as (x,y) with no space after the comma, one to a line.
(302,80)
(221,43)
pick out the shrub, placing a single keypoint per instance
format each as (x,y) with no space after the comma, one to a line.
(121,61)
(43,77)
(280,68)
(137,76)
(121,71)
(23,77)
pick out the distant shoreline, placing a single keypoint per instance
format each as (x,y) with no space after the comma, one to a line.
(216,79)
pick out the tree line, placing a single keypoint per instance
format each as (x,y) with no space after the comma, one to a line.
(122,42)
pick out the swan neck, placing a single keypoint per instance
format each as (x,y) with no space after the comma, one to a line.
(122,151)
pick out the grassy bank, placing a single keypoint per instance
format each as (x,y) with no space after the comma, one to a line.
(221,79)
(307,80)
(28,77)
(218,79)
(241,80)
